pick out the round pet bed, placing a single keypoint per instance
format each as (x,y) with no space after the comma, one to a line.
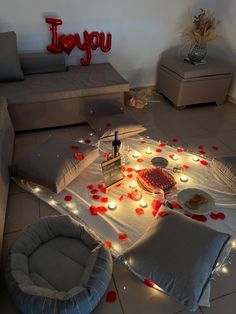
(56,266)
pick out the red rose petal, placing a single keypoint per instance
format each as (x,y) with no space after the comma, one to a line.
(101,185)
(171,156)
(111,297)
(156,204)
(90,186)
(130,176)
(122,236)
(215,147)
(135,195)
(87,141)
(158,150)
(174,140)
(94,191)
(149,283)
(186,167)
(162,214)
(204,162)
(200,218)
(75,147)
(216,216)
(104,199)
(140,160)
(154,212)
(143,142)
(96,197)
(78,156)
(93,210)
(175,204)
(68,198)
(108,244)
(162,144)
(180,150)
(129,169)
(139,211)
(106,155)
(200,147)
(122,197)
(202,152)
(118,185)
(123,168)
(102,209)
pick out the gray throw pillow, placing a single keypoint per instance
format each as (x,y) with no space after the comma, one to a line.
(178,254)
(106,126)
(10,68)
(55,163)
(225,169)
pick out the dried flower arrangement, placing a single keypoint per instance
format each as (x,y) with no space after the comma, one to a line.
(202,30)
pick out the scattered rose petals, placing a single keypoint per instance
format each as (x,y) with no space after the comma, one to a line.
(140,160)
(162,144)
(174,140)
(200,218)
(102,188)
(200,147)
(156,204)
(87,141)
(123,168)
(143,142)
(94,191)
(135,195)
(175,204)
(129,169)
(154,212)
(171,156)
(90,186)
(78,156)
(93,210)
(111,297)
(130,176)
(216,216)
(102,209)
(204,162)
(180,150)
(122,236)
(186,167)
(149,283)
(158,150)
(108,244)
(139,211)
(75,147)
(122,197)
(202,152)
(106,155)
(96,197)
(108,125)
(215,147)
(104,199)
(68,198)
(162,214)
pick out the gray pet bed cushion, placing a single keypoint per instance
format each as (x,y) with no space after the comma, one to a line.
(225,169)
(56,266)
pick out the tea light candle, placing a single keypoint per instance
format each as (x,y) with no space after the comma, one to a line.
(195,158)
(133,185)
(184,178)
(75,211)
(148,151)
(52,202)
(112,205)
(37,189)
(136,154)
(175,157)
(137,168)
(143,203)
(81,141)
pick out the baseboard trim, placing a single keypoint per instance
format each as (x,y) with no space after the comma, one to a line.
(231,99)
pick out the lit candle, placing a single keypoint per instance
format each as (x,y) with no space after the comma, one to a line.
(136,155)
(133,185)
(137,168)
(224,270)
(81,141)
(234,244)
(112,205)
(195,158)
(175,157)
(148,151)
(75,211)
(52,202)
(184,178)
(143,203)
(91,134)
(37,189)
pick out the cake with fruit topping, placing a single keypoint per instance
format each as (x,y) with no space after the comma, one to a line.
(156,178)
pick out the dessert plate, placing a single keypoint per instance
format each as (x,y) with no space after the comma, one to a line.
(202,209)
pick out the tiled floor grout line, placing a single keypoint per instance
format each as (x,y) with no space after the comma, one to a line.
(121,305)
(223,296)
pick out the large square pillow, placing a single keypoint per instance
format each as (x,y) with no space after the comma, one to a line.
(55,163)
(106,126)
(10,68)
(225,169)
(178,254)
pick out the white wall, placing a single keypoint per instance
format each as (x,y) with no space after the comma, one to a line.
(141,29)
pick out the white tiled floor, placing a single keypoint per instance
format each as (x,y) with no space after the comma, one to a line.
(206,125)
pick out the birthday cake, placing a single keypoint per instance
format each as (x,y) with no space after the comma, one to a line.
(156,178)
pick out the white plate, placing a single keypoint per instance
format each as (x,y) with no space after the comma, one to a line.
(203,209)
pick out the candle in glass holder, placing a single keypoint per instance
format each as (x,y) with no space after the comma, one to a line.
(184,178)
(143,203)
(133,185)
(195,158)
(135,154)
(137,168)
(112,205)
(148,151)
(175,157)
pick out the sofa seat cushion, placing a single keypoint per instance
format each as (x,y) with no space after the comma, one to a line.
(78,81)
(57,266)
(55,163)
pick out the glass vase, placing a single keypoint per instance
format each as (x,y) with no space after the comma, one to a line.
(197,52)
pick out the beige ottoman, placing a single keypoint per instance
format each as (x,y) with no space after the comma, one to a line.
(186,84)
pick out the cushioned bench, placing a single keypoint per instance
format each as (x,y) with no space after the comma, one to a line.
(59,98)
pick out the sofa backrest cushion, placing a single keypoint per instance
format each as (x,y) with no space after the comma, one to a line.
(6,150)
(9,59)
(42,62)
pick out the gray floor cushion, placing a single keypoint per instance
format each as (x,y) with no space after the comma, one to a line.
(56,266)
